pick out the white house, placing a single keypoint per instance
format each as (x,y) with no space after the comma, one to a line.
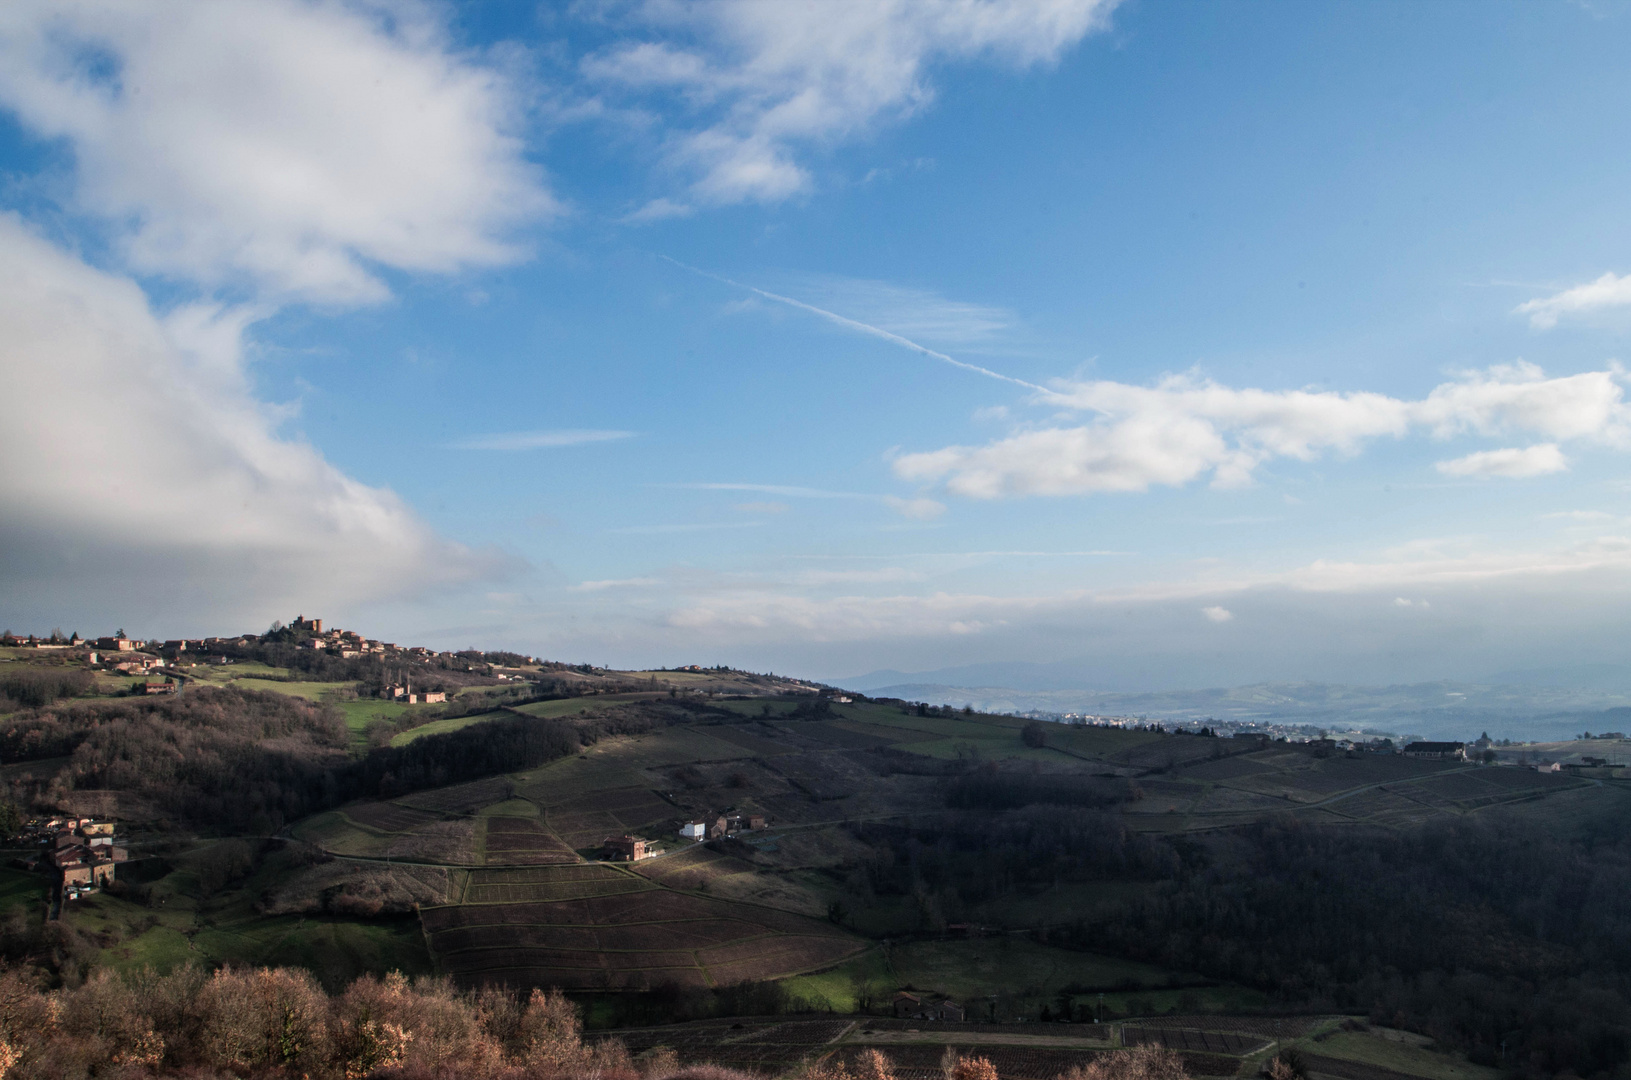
(695,830)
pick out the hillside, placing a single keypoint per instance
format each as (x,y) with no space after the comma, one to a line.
(1027,871)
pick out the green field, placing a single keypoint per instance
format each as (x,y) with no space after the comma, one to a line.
(183,923)
(438,727)
(359,714)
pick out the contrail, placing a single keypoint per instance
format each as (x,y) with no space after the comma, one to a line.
(865,328)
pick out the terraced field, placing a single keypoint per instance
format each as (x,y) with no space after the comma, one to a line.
(639,936)
(461,798)
(513,840)
(389,817)
(519,885)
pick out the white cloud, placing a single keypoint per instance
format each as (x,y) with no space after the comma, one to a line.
(1608,291)
(1184,427)
(1217,614)
(140,471)
(539,440)
(284,146)
(762,82)
(1512,462)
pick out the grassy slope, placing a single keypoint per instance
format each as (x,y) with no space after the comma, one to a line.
(184,926)
(1399,1051)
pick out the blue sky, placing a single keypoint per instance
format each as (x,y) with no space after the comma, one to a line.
(1192,344)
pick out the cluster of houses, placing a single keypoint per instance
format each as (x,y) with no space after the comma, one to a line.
(910,1006)
(713,826)
(406,694)
(709,827)
(346,644)
(83,850)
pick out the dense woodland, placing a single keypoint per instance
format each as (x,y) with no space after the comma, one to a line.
(1483,934)
(225,760)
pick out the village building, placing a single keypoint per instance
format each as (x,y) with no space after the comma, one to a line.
(1437,751)
(627,849)
(950,1010)
(907,1005)
(695,830)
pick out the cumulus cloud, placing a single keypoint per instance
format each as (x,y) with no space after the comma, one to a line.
(285,147)
(1608,291)
(262,153)
(1217,614)
(140,470)
(1185,427)
(1513,462)
(763,82)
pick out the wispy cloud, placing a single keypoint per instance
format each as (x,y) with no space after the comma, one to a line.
(705,526)
(915,314)
(538,440)
(865,328)
(763,81)
(1514,463)
(1609,291)
(972,555)
(918,508)
(1579,515)
(615,583)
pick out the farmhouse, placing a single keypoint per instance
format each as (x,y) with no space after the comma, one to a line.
(84,853)
(627,849)
(695,830)
(907,1005)
(1440,751)
(950,1010)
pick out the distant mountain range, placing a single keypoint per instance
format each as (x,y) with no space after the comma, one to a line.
(1519,705)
